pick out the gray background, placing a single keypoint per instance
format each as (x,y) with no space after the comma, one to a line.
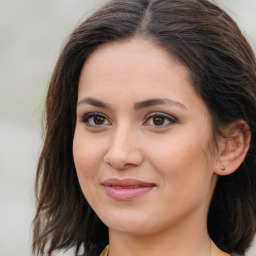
(31,35)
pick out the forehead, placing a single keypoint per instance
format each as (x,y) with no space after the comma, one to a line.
(133,48)
(132,61)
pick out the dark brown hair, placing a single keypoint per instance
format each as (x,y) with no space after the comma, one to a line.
(222,70)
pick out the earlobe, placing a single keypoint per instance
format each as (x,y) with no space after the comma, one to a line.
(233,148)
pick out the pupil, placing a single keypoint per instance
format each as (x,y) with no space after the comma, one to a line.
(98,120)
(158,120)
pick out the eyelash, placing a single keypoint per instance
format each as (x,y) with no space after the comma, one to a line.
(171,120)
(86,118)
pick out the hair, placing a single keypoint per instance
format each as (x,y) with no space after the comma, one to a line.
(222,69)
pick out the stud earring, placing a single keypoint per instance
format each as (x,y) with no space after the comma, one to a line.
(223,168)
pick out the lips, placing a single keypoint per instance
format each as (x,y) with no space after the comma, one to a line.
(126,189)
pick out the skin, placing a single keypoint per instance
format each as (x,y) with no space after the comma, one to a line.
(179,156)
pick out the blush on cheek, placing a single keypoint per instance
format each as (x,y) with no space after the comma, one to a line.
(85,161)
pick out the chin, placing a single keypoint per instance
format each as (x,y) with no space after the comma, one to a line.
(127,224)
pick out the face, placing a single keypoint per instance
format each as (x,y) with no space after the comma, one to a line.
(143,147)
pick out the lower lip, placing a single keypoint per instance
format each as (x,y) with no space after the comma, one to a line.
(126,193)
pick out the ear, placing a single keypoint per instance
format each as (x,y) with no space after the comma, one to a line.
(233,147)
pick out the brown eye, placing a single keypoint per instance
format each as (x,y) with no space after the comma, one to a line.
(99,120)
(95,119)
(158,120)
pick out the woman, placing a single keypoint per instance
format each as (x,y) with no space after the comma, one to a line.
(150,135)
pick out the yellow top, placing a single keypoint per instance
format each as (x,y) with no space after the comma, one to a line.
(215,251)
(105,252)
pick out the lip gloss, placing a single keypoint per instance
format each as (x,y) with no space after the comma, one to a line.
(126,189)
(126,193)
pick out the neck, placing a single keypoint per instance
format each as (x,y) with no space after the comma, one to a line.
(215,251)
(190,239)
(134,246)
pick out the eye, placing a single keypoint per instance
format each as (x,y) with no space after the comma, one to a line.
(95,119)
(159,120)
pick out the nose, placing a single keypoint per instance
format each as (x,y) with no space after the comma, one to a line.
(124,150)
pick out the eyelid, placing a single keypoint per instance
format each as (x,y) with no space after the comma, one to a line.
(162,114)
(168,117)
(87,116)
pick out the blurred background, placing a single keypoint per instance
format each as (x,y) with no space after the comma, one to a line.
(31,36)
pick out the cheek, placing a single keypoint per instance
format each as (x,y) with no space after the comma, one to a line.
(175,154)
(86,156)
(183,162)
(86,159)
(86,151)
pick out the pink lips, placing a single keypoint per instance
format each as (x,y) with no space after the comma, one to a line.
(126,189)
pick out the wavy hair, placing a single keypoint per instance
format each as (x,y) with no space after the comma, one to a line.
(222,70)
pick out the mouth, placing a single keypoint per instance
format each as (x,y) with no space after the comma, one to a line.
(126,189)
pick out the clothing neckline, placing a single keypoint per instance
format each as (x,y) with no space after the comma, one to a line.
(214,248)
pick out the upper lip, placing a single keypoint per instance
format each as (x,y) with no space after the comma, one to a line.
(126,183)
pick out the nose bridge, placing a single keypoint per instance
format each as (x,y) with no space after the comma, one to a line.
(124,149)
(124,133)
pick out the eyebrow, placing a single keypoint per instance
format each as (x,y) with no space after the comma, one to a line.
(137,106)
(94,102)
(158,101)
